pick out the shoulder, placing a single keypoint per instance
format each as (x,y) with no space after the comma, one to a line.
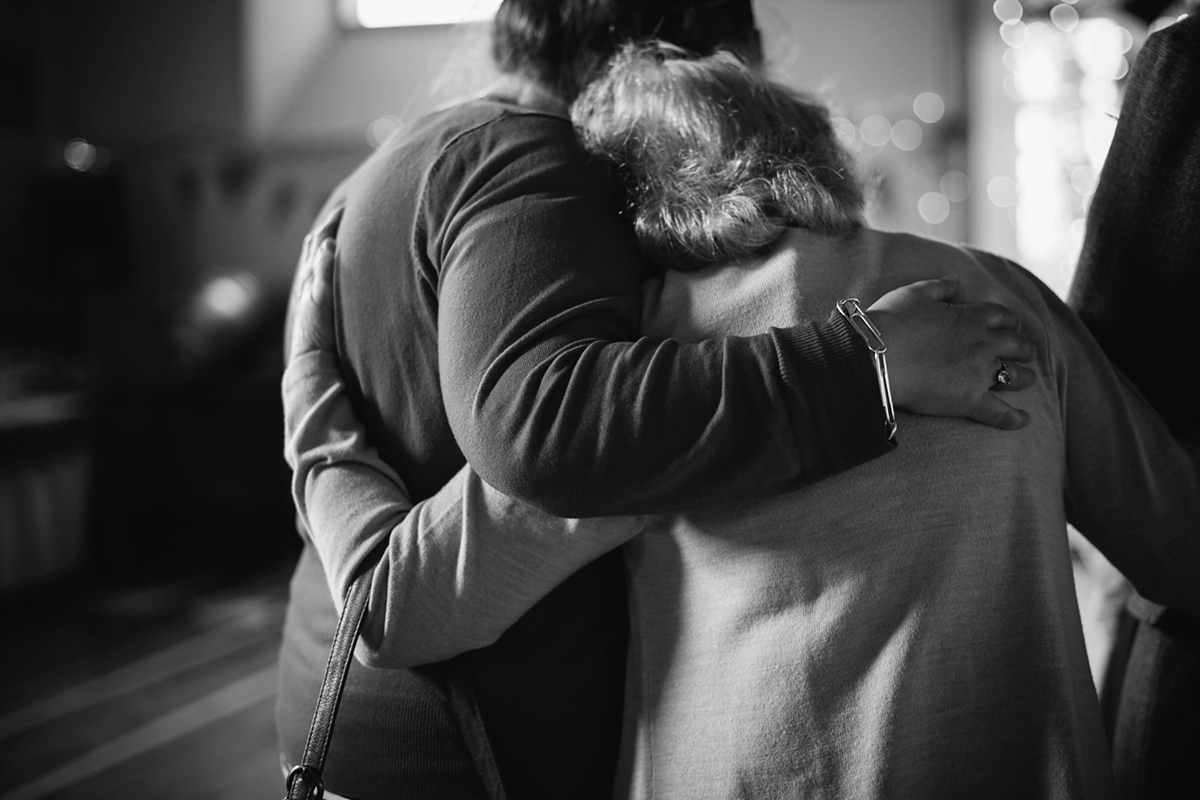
(1031,290)
(482,153)
(462,139)
(484,133)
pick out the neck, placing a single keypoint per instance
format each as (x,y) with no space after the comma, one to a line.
(529,94)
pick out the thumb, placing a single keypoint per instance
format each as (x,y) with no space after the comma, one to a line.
(991,410)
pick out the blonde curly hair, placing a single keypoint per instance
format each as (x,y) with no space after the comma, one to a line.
(718,159)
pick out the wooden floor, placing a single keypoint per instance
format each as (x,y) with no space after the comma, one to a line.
(163,693)
(158,693)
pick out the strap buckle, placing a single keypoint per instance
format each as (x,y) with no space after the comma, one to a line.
(311,784)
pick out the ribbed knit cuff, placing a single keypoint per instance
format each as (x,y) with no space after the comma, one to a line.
(833,396)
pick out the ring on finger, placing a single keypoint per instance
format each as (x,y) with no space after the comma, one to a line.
(1004,376)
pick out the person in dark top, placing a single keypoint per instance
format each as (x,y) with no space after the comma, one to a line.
(488,303)
(1138,273)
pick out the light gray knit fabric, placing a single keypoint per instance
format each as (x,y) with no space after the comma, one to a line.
(908,628)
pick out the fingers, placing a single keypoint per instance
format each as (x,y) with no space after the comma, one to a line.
(310,311)
(995,316)
(326,231)
(943,289)
(329,226)
(1009,345)
(991,410)
(322,272)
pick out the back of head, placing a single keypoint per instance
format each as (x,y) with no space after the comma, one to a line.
(718,159)
(563,44)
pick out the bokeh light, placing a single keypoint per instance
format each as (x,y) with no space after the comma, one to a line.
(1098,129)
(1002,191)
(929,107)
(381,130)
(906,135)
(1034,128)
(230,296)
(1098,47)
(955,185)
(934,207)
(876,130)
(1083,180)
(1010,87)
(1014,33)
(1064,17)
(1006,10)
(1038,75)
(79,155)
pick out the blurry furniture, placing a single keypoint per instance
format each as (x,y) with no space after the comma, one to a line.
(43,486)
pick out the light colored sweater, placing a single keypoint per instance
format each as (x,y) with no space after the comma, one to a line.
(906,629)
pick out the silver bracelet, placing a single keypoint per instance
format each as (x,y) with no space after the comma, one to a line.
(858,319)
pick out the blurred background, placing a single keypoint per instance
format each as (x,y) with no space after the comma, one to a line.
(160,162)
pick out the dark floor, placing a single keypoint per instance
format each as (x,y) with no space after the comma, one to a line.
(163,692)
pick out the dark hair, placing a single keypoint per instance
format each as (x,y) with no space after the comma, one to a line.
(563,44)
(718,159)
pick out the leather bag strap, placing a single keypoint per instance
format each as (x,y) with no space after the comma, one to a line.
(304,781)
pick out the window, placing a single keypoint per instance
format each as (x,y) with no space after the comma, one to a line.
(405,13)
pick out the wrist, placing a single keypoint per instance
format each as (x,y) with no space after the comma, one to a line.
(852,312)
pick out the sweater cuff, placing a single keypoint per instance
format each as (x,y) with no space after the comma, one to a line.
(832,396)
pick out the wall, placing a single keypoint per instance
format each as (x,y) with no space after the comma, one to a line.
(864,51)
(133,70)
(284,42)
(865,56)
(402,72)
(846,46)
(874,57)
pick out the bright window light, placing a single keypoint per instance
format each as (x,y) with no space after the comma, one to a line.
(405,13)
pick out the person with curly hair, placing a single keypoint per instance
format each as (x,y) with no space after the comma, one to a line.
(489,312)
(905,628)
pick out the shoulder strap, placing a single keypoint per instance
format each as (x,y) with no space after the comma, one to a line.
(304,781)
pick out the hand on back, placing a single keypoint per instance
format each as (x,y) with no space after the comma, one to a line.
(944,357)
(310,312)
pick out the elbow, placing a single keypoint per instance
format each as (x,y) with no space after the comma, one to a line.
(526,483)
(372,657)
(380,648)
(379,653)
(539,474)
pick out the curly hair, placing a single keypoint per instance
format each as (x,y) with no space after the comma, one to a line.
(718,159)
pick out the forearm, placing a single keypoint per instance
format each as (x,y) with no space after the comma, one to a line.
(449,574)
(602,427)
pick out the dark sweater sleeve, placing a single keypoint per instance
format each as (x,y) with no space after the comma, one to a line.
(550,393)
